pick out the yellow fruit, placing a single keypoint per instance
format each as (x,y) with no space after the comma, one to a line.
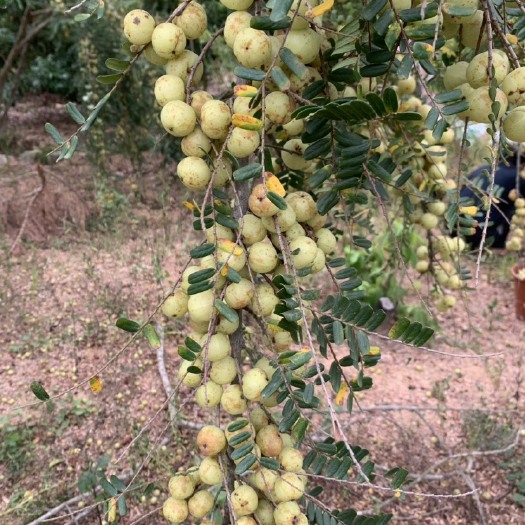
(178,118)
(210,440)
(138,27)
(175,510)
(168,40)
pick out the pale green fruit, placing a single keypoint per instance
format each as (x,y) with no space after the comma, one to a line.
(175,510)
(514,86)
(241,105)
(454,282)
(259,204)
(422,252)
(188,378)
(168,40)
(296,230)
(176,305)
(223,173)
(193,21)
(300,22)
(138,27)
(285,219)
(406,86)
(287,440)
(244,500)
(514,125)
(326,241)
(152,57)
(477,71)
(181,487)
(224,371)
(299,84)
(218,231)
(193,473)
(264,480)
(282,341)
(211,440)
(437,208)
(227,327)
(200,504)
(448,136)
(243,142)
(258,418)
(305,43)
(269,441)
(252,229)
(178,118)
(253,383)
(293,156)
(235,262)
(238,295)
(235,23)
(232,401)
(168,88)
(264,512)
(303,204)
(289,512)
(437,171)
(455,75)
(196,144)
(271,402)
(262,257)
(198,99)
(278,107)
(307,251)
(215,119)
(472,30)
(291,459)
(480,104)
(210,471)
(288,487)
(246,520)
(237,5)
(317,221)
(253,48)
(208,395)
(294,127)
(422,266)
(264,300)
(182,65)
(194,173)
(264,365)
(218,348)
(201,306)
(319,263)
(429,221)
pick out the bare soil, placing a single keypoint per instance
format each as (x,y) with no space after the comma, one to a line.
(443,413)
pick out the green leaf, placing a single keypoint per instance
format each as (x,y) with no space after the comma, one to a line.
(108,487)
(194,289)
(202,251)
(277,200)
(249,74)
(122,506)
(327,201)
(93,115)
(237,425)
(80,17)
(265,23)
(192,345)
(390,99)
(127,325)
(291,61)
(423,337)
(245,464)
(273,385)
(280,79)
(411,332)
(450,96)
(279,8)
(233,276)
(109,79)
(339,334)
(407,115)
(186,354)
(373,9)
(55,134)
(240,452)
(270,463)
(239,438)
(228,313)
(452,9)
(117,483)
(201,275)
(376,320)
(398,476)
(399,328)
(392,35)
(39,391)
(319,148)
(152,337)
(117,65)
(454,109)
(247,172)
(74,113)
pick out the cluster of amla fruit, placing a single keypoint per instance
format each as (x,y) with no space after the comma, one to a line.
(516,237)
(266,495)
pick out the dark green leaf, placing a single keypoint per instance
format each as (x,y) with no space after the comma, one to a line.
(450,96)
(423,337)
(192,345)
(239,438)
(202,251)
(373,9)
(249,74)
(270,463)
(194,289)
(122,505)
(55,134)
(398,476)
(201,275)
(247,172)
(109,79)
(117,65)
(390,99)
(186,353)
(240,452)
(339,335)
(399,328)
(108,487)
(74,113)
(117,483)
(39,391)
(228,313)
(327,201)
(280,79)
(237,425)
(411,332)
(291,61)
(407,115)
(93,115)
(458,107)
(279,9)
(245,464)
(127,325)
(265,23)
(320,148)
(277,200)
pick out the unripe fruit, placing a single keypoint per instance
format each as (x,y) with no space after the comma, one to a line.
(326,241)
(182,64)
(289,512)
(293,156)
(210,471)
(295,230)
(193,21)
(208,395)
(282,341)
(238,295)
(218,348)
(278,107)
(406,86)
(294,127)
(201,306)
(152,57)
(514,125)
(215,119)
(305,43)
(227,327)
(288,487)
(303,204)
(175,510)
(285,219)
(138,27)
(260,204)
(253,48)
(168,88)
(188,378)
(429,221)
(264,512)
(237,5)
(437,171)
(178,118)
(200,504)
(232,401)
(235,23)
(181,487)
(307,251)
(287,439)
(234,256)
(198,99)
(481,104)
(422,266)
(269,441)
(176,305)
(422,252)
(168,40)
(224,371)
(258,418)
(291,459)
(455,75)
(243,142)
(514,86)
(437,208)
(319,263)
(252,229)
(264,480)
(264,300)
(210,440)
(477,71)
(244,500)
(253,383)
(262,257)
(196,144)
(194,173)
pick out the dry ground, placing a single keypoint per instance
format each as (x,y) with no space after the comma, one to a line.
(62,291)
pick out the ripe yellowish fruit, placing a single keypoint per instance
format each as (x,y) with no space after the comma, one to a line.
(243,142)
(294,127)
(305,43)
(138,27)
(175,510)
(264,365)
(293,156)
(262,257)
(176,305)
(198,99)
(264,480)
(253,383)
(285,219)
(235,23)
(296,230)
(238,295)
(246,520)
(422,266)
(188,378)
(237,5)
(259,204)
(193,21)
(514,86)
(269,441)
(232,401)
(429,221)
(183,63)
(244,500)
(200,504)
(278,107)
(291,459)
(224,371)
(289,512)
(168,40)
(264,300)
(406,86)
(196,144)
(319,262)
(215,119)
(253,48)
(326,241)
(481,104)
(252,229)
(181,487)
(478,69)
(306,252)
(168,88)
(201,306)
(303,204)
(208,395)
(288,487)
(211,440)
(218,347)
(231,255)
(194,173)
(178,118)
(210,471)
(258,418)
(514,125)
(437,208)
